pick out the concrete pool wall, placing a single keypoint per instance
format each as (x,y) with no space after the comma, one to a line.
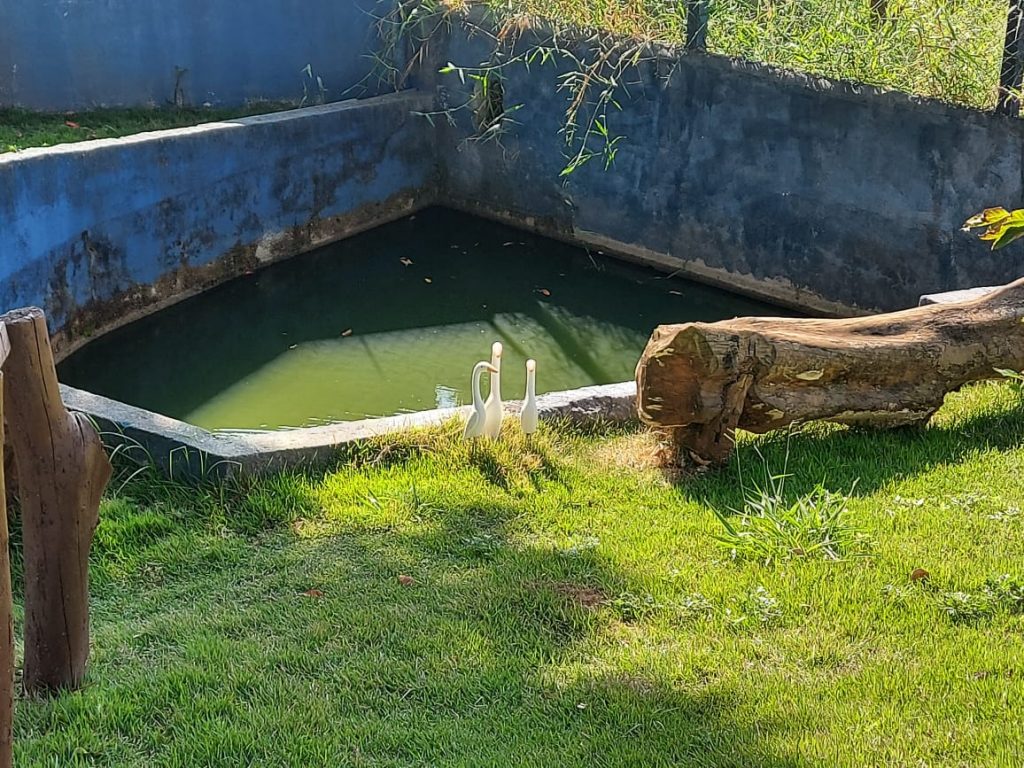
(820,195)
(98,232)
(77,54)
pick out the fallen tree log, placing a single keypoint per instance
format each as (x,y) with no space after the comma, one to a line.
(701,381)
(62,470)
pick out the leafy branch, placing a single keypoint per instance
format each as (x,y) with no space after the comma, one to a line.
(594,70)
(1001,227)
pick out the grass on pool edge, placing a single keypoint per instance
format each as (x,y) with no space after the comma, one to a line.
(21,128)
(557,603)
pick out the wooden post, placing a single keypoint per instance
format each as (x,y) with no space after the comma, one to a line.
(697,25)
(1011,75)
(62,471)
(6,606)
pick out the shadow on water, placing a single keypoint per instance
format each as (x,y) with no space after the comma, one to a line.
(389,321)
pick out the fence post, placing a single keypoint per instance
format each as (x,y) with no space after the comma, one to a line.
(6,601)
(62,470)
(1012,73)
(697,25)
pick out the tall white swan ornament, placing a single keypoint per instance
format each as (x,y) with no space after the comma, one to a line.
(493,406)
(528,415)
(475,423)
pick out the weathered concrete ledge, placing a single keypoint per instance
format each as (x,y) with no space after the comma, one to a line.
(951,297)
(184,450)
(101,232)
(77,54)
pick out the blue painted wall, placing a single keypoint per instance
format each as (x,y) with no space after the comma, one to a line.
(73,54)
(817,193)
(93,232)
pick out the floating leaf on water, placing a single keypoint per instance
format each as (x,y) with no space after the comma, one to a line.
(427,280)
(405,261)
(347,332)
(544,292)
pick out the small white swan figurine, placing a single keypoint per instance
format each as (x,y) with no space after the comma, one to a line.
(528,415)
(493,406)
(475,423)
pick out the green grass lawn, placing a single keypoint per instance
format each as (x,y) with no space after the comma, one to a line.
(945,49)
(560,604)
(21,129)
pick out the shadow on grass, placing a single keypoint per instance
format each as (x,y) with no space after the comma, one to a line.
(444,640)
(863,460)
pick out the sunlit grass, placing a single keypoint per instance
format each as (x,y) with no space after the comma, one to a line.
(944,49)
(21,129)
(934,48)
(560,602)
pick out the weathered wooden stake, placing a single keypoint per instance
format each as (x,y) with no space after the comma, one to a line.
(1011,76)
(62,471)
(6,607)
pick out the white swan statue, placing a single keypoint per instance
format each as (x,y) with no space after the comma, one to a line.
(528,415)
(475,423)
(493,406)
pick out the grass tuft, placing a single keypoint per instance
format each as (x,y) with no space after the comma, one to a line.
(770,529)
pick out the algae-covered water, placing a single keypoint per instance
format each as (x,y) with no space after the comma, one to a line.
(392,321)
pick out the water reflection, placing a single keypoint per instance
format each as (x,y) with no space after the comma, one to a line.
(392,321)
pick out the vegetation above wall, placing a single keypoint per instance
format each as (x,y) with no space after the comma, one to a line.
(21,129)
(935,48)
(930,48)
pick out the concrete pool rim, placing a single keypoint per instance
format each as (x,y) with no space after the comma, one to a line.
(185,450)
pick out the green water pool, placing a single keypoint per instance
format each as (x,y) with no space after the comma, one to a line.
(392,321)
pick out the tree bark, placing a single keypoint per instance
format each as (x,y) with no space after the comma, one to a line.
(701,381)
(62,471)
(6,602)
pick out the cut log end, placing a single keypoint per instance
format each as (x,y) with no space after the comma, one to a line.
(699,382)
